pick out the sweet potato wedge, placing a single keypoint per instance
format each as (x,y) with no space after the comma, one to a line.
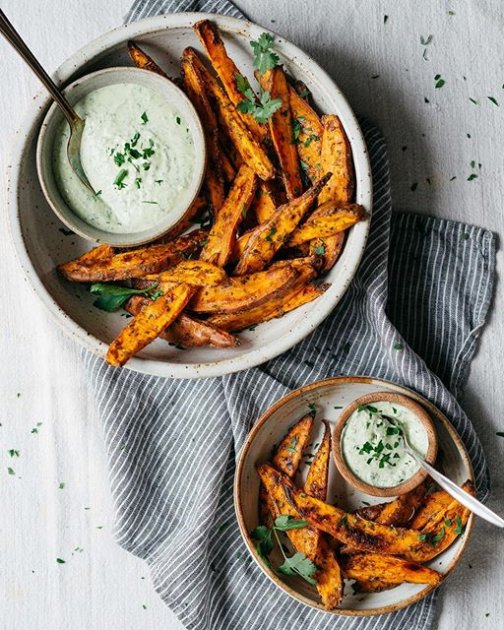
(264,204)
(376,566)
(226,70)
(237,294)
(246,144)
(308,130)
(290,450)
(274,81)
(433,507)
(198,273)
(135,263)
(329,575)
(142,60)
(336,157)
(330,248)
(148,324)
(187,331)
(221,241)
(316,479)
(400,511)
(267,239)
(373,586)
(327,220)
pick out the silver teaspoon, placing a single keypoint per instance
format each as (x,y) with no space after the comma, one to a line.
(76,123)
(447,484)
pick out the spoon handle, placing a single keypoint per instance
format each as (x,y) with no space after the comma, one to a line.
(461,495)
(13,37)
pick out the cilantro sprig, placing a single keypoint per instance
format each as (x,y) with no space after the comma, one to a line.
(112,296)
(264,57)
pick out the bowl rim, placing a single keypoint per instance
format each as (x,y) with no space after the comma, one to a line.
(176,97)
(345,470)
(167,369)
(264,418)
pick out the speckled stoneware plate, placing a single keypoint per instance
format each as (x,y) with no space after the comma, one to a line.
(330,397)
(42,241)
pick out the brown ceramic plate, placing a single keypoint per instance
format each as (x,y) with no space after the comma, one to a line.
(331,396)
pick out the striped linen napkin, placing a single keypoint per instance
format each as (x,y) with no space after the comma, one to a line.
(172,444)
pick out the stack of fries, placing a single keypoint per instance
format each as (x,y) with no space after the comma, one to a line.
(279,187)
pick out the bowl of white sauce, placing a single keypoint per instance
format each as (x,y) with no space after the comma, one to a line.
(143,151)
(368,445)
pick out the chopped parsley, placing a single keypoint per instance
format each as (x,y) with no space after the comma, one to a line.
(145,118)
(119,180)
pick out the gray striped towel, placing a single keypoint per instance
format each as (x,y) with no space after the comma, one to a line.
(172,444)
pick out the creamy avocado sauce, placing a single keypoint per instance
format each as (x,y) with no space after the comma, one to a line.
(372,446)
(137,152)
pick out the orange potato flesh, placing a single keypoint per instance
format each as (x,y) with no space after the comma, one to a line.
(326,221)
(375,566)
(290,450)
(316,479)
(198,273)
(309,141)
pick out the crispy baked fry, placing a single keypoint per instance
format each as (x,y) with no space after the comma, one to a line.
(246,144)
(264,204)
(433,506)
(142,60)
(330,248)
(227,71)
(326,221)
(329,575)
(281,131)
(290,450)
(135,263)
(316,479)
(148,324)
(267,239)
(222,238)
(198,273)
(237,294)
(400,511)
(309,138)
(389,569)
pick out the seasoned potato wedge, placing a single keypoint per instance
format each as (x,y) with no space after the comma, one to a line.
(400,511)
(316,479)
(290,450)
(267,239)
(370,567)
(274,81)
(329,575)
(434,506)
(237,294)
(222,238)
(148,324)
(135,263)
(198,273)
(264,204)
(330,248)
(142,60)
(227,71)
(309,135)
(327,220)
(336,158)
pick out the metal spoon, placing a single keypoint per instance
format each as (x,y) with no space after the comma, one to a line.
(447,484)
(76,123)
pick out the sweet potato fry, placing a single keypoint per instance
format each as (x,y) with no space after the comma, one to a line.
(290,450)
(148,324)
(274,308)
(226,70)
(400,511)
(433,507)
(330,248)
(327,220)
(198,273)
(329,575)
(264,204)
(247,146)
(187,331)
(135,263)
(237,294)
(316,479)
(221,240)
(376,566)
(267,239)
(274,81)
(142,60)
(308,130)
(336,157)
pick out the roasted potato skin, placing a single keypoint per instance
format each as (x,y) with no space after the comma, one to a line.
(318,473)
(290,450)
(309,141)
(370,567)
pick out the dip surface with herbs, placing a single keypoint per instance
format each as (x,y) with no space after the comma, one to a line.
(373,448)
(137,152)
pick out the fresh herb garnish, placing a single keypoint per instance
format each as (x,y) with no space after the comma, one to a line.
(270,234)
(60,561)
(13,452)
(285,522)
(292,446)
(112,296)
(145,118)
(119,159)
(261,109)
(312,407)
(264,57)
(459,528)
(119,180)
(319,249)
(299,564)
(493,100)
(439,81)
(151,202)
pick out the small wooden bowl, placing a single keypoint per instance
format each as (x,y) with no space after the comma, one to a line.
(358,483)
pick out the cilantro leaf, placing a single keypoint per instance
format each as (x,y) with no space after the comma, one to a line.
(112,296)
(264,57)
(267,107)
(261,536)
(300,565)
(261,109)
(285,522)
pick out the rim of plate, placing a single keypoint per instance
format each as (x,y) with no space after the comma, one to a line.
(301,391)
(71,67)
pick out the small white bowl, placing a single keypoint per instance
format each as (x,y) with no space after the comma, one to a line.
(75,92)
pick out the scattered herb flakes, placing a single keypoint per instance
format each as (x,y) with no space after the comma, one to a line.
(451,13)
(36,428)
(337,407)
(425,41)
(66,232)
(61,485)
(13,452)
(385,19)
(439,81)
(414,186)
(60,561)
(404,148)
(144,606)
(453,178)
(375,76)
(119,180)
(312,407)
(493,100)
(439,536)
(473,101)
(178,120)
(398,346)
(426,100)
(447,522)
(500,433)
(471,177)
(154,203)
(18,395)
(468,135)
(459,528)
(319,249)
(270,234)
(145,118)
(292,446)
(10,470)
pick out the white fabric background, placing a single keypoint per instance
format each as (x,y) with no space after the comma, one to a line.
(41,380)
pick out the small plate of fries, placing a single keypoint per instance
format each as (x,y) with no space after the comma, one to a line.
(268,247)
(324,542)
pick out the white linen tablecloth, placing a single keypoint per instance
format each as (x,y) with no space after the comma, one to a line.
(54,495)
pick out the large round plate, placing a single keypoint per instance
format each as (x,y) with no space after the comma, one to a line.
(330,396)
(42,242)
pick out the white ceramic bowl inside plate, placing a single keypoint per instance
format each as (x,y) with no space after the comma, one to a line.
(74,93)
(330,397)
(42,242)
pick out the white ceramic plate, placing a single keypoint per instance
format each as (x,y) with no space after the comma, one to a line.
(330,396)
(41,242)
